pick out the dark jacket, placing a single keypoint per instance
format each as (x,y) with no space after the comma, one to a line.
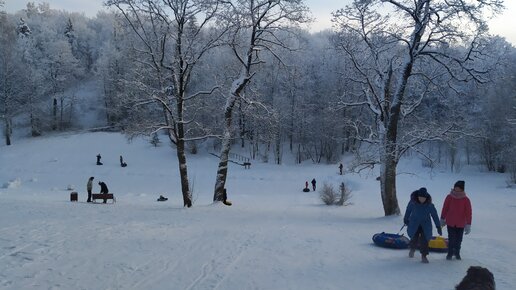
(420,215)
(103,187)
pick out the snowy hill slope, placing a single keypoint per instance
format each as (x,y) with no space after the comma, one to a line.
(273,237)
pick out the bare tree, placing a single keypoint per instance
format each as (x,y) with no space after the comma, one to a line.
(12,77)
(255,25)
(390,53)
(173,38)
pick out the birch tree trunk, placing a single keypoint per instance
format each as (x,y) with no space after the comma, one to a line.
(222,170)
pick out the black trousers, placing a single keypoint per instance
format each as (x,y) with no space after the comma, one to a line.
(89,196)
(419,239)
(454,240)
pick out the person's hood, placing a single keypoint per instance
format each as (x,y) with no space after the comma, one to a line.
(458,194)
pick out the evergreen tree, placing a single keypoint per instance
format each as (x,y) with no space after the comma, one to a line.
(69,32)
(23,28)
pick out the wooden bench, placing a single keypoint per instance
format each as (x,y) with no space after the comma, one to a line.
(95,196)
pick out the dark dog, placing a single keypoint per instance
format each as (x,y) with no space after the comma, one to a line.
(477,278)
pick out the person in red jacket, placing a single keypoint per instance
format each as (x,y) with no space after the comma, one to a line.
(456,213)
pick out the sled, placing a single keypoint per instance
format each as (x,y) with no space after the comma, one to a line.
(392,241)
(438,244)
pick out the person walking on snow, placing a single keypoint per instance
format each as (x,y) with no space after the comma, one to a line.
(340,168)
(89,187)
(418,218)
(456,214)
(313,184)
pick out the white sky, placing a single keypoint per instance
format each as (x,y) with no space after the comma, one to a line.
(321,10)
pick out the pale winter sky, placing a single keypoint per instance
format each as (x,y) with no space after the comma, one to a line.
(321,10)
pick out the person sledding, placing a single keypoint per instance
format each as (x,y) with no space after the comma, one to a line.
(98,159)
(306,189)
(122,163)
(162,198)
(418,217)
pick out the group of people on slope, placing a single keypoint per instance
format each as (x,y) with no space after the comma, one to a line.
(122,162)
(89,188)
(314,183)
(456,214)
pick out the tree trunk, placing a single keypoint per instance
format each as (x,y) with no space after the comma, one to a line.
(278,148)
(389,164)
(222,170)
(54,126)
(8,130)
(388,185)
(61,113)
(242,127)
(34,126)
(183,172)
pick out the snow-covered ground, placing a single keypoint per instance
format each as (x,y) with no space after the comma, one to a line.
(273,237)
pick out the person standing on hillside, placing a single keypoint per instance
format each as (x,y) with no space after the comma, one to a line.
(103,189)
(89,187)
(340,168)
(418,218)
(313,184)
(457,215)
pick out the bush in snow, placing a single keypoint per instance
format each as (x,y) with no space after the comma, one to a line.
(330,196)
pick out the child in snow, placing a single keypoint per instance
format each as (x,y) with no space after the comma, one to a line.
(418,218)
(313,184)
(456,213)
(306,189)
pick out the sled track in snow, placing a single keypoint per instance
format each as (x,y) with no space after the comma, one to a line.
(218,269)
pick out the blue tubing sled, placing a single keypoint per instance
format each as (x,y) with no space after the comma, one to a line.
(393,241)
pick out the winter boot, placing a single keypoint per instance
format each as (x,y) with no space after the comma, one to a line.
(411,253)
(457,256)
(448,257)
(424,259)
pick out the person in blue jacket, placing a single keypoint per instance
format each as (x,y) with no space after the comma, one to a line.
(418,217)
